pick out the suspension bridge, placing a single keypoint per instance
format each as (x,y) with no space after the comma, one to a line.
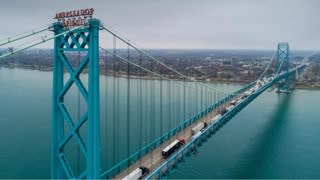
(153,109)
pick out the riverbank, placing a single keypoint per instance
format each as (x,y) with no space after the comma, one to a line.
(307,87)
(149,77)
(123,75)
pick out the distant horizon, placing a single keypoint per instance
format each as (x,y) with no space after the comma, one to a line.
(211,24)
(188,49)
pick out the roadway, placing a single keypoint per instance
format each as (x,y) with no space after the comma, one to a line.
(154,159)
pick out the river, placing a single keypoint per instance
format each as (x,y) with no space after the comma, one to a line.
(276,136)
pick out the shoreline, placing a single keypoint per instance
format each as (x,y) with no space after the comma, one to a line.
(102,72)
(242,82)
(307,88)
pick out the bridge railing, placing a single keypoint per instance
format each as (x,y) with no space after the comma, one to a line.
(159,141)
(164,169)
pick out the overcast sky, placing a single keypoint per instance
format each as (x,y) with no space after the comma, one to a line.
(210,24)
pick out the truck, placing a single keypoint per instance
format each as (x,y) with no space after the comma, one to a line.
(215,118)
(258,82)
(198,128)
(239,101)
(166,152)
(230,107)
(246,94)
(222,111)
(196,135)
(138,173)
(233,102)
(256,87)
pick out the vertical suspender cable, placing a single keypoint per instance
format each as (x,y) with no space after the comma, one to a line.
(140,103)
(146,109)
(114,101)
(105,122)
(197,99)
(190,101)
(174,105)
(179,104)
(201,103)
(128,105)
(184,102)
(169,104)
(206,100)
(152,100)
(161,122)
(117,105)
(193,98)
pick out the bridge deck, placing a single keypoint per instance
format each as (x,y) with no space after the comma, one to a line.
(154,159)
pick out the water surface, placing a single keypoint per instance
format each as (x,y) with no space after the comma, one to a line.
(274,137)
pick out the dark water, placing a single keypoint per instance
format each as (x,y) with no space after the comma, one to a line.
(274,137)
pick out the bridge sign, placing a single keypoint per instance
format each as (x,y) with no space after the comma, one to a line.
(74,18)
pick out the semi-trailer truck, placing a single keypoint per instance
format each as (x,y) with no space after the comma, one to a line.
(166,152)
(137,173)
(215,118)
(196,135)
(198,128)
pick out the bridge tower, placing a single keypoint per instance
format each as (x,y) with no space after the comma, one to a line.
(86,40)
(283,65)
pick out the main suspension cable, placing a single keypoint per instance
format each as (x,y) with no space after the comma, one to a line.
(40,42)
(24,35)
(272,59)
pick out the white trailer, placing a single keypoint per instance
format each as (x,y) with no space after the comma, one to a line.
(233,102)
(230,107)
(239,101)
(196,135)
(215,118)
(197,128)
(136,174)
(247,93)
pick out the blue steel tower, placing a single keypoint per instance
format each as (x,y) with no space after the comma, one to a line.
(86,40)
(283,65)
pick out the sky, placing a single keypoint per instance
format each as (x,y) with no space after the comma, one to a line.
(183,24)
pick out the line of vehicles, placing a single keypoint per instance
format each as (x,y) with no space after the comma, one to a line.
(198,129)
(259,84)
